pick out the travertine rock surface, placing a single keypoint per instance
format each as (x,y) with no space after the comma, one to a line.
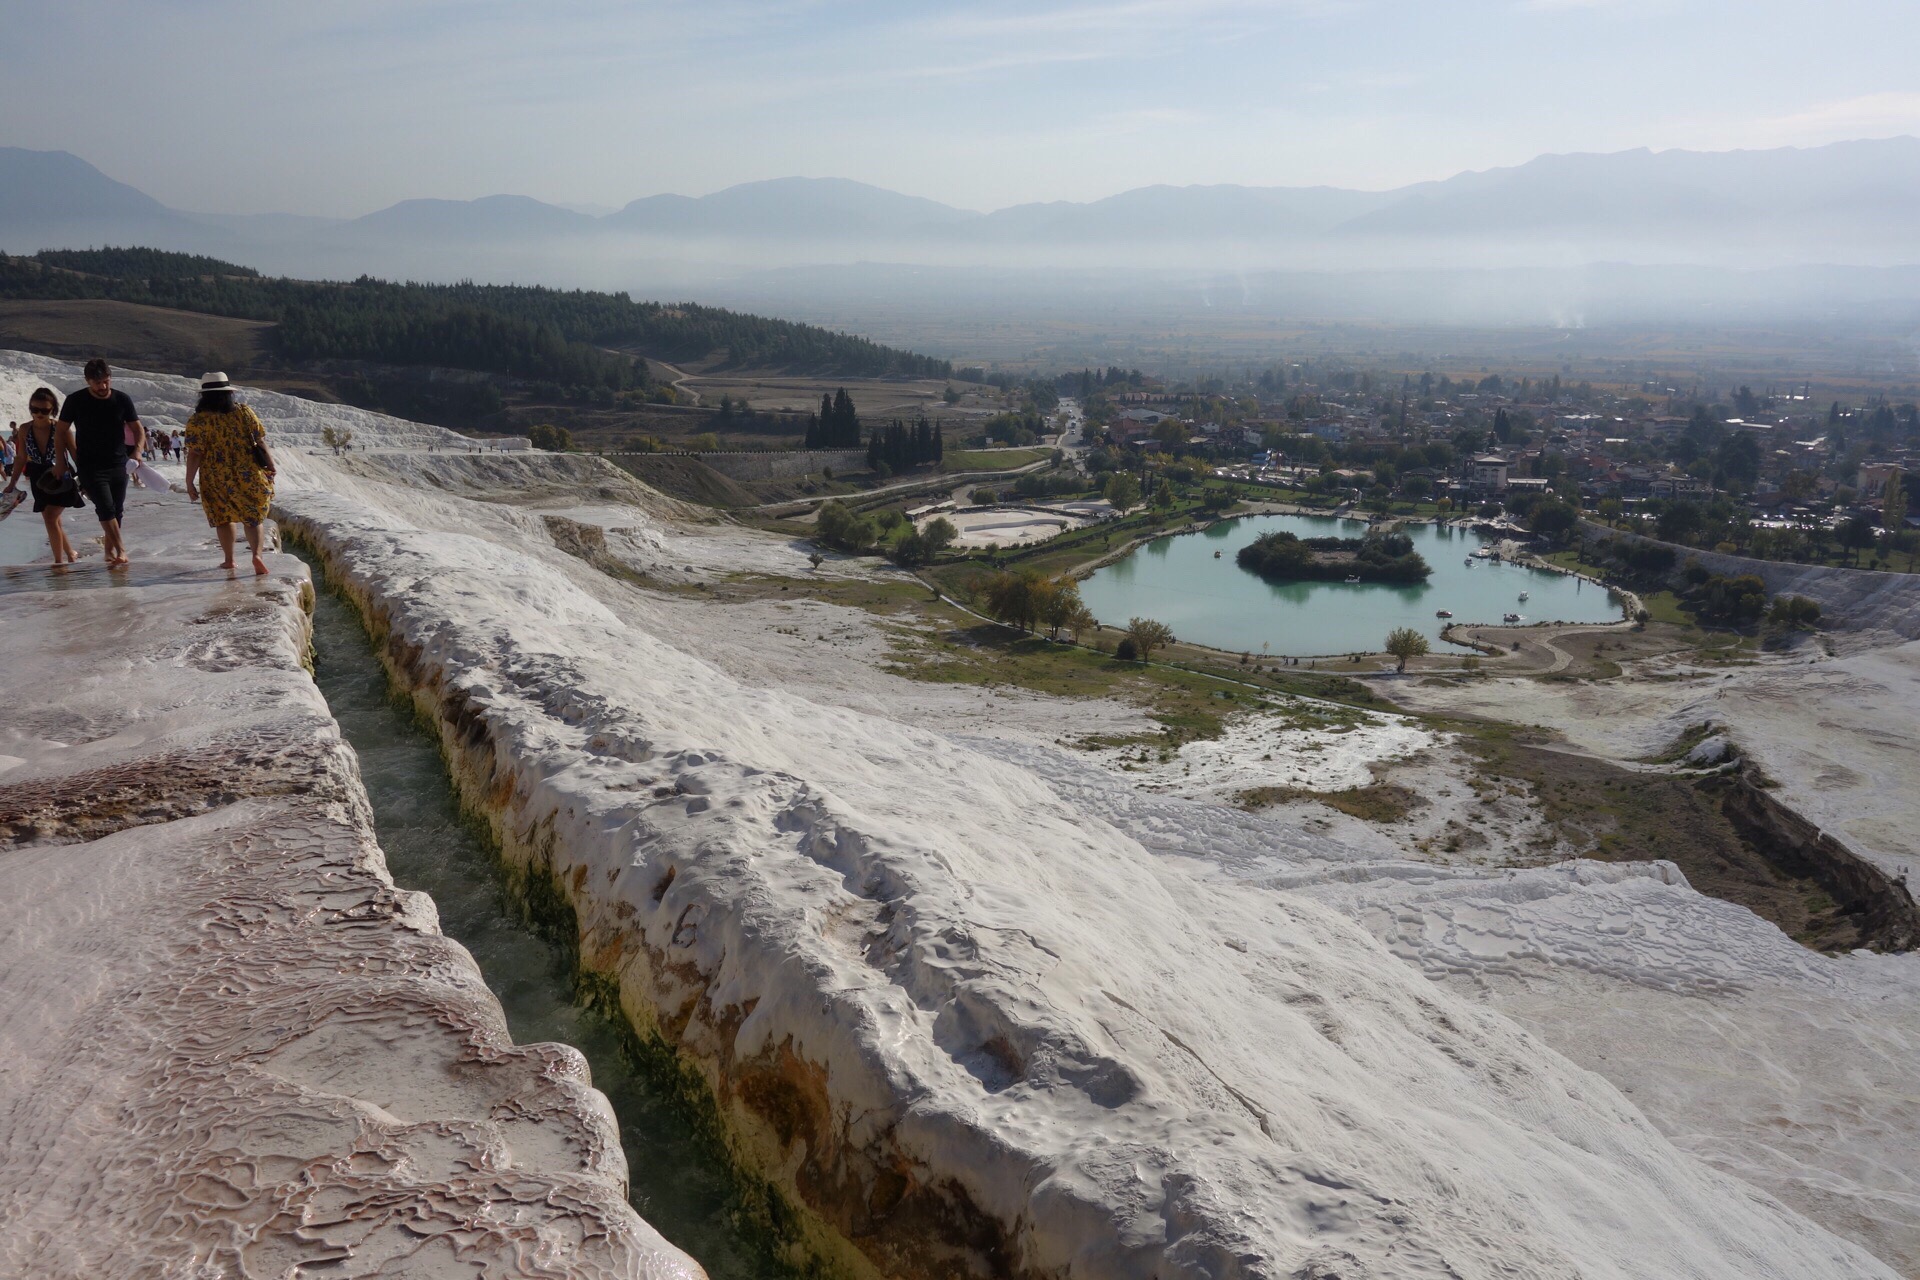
(229,1045)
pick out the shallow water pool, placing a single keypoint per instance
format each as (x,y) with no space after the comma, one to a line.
(1211,600)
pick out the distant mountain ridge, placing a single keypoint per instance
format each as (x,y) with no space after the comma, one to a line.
(1857,202)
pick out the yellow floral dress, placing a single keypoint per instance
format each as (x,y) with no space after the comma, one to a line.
(232,488)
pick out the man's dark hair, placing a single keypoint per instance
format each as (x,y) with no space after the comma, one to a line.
(96,368)
(214,402)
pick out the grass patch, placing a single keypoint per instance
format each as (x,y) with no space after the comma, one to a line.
(1571,560)
(1375,802)
(1184,704)
(991,460)
(1664,606)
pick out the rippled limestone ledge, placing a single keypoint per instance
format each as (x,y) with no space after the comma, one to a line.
(229,1045)
(964,1025)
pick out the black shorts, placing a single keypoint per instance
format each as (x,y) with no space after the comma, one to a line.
(107,491)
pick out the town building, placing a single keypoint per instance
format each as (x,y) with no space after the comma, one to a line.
(1487,473)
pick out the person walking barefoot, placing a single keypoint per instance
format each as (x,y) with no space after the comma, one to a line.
(37,452)
(100,429)
(233,483)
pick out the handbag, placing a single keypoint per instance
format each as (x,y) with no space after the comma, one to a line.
(258,452)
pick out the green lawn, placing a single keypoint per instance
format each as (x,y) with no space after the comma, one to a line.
(994,460)
(1571,560)
(1664,606)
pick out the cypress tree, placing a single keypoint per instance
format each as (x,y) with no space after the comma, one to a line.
(846,421)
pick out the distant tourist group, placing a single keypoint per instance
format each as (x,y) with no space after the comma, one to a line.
(83,450)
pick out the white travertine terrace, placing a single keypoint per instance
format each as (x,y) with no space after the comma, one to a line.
(229,1045)
(979,1007)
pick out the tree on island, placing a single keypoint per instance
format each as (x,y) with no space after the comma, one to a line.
(1378,557)
(1404,643)
(1148,635)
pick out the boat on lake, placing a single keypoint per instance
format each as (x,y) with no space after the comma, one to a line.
(1443,613)
(1523,595)
(1510,617)
(1350,581)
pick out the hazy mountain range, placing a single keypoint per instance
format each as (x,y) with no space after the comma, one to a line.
(1849,202)
(1852,205)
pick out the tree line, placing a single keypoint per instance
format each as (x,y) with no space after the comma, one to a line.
(837,425)
(522,331)
(898,446)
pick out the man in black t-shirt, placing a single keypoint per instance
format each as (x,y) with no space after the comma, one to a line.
(96,423)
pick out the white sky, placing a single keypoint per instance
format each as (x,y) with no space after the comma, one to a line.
(344,106)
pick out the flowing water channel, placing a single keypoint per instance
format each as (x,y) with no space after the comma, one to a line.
(1191,582)
(680,1182)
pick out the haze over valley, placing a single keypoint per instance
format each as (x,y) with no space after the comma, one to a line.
(1781,236)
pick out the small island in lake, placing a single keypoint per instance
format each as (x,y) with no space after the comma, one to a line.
(1378,557)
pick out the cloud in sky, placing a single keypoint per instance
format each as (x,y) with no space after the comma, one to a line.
(1866,114)
(343,106)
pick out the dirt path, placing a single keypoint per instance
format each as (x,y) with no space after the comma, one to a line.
(1538,652)
(678,380)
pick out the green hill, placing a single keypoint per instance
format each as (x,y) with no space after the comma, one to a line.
(531,333)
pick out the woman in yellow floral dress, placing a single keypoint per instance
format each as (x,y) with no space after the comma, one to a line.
(235,486)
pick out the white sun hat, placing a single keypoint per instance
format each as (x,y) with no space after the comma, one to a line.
(215,382)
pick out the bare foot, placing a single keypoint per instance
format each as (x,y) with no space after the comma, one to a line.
(259,566)
(227,564)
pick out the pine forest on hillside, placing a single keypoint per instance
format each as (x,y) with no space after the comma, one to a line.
(552,335)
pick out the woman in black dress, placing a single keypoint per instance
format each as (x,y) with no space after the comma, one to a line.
(36,451)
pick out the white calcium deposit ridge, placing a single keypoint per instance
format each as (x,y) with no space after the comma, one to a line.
(1267,751)
(1147,1035)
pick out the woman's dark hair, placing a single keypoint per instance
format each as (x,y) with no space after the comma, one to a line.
(47,394)
(215,402)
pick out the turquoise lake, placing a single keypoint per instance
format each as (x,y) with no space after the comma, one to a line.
(1213,601)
